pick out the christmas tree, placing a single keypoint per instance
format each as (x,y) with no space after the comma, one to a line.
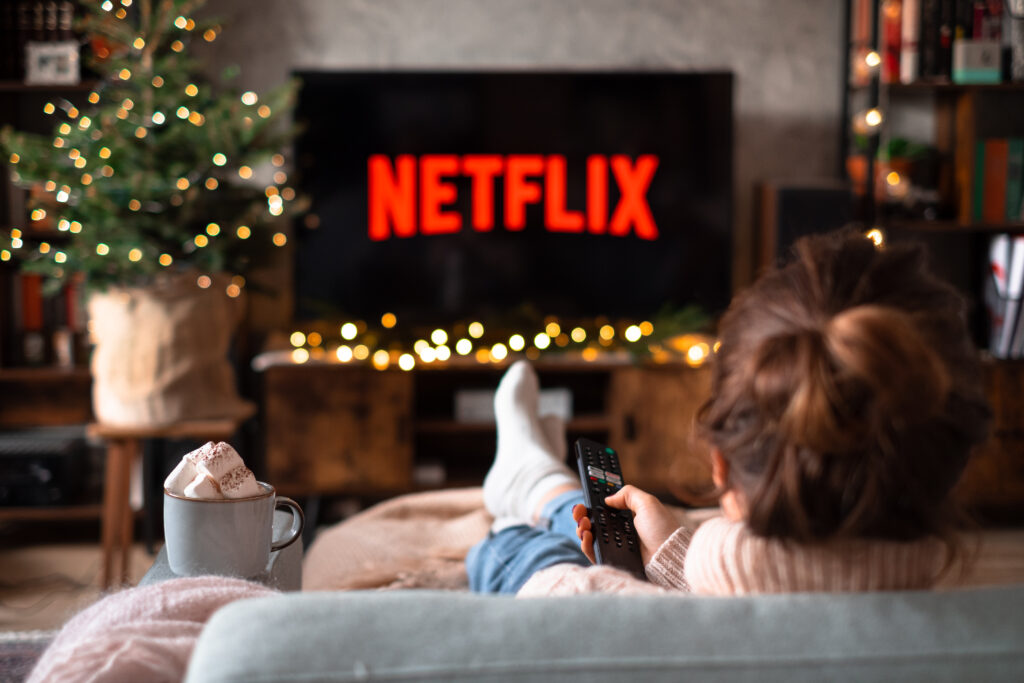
(161,171)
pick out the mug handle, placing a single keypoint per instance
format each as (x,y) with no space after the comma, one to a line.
(298,522)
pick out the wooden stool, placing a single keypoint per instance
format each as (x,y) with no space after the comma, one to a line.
(124,444)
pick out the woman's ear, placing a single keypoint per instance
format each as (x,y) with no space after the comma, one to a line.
(731,500)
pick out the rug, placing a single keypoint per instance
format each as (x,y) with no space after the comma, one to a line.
(19,651)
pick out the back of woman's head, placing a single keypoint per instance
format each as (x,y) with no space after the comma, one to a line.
(846,394)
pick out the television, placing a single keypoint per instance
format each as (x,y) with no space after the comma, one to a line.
(443,197)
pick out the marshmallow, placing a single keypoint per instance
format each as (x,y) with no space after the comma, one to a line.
(203,487)
(240,483)
(213,471)
(217,460)
(181,476)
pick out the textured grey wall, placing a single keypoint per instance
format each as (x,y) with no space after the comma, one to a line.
(785,54)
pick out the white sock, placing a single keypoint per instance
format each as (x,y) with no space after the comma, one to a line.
(526,465)
(553,428)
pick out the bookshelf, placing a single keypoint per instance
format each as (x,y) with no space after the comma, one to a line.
(32,325)
(45,393)
(934,199)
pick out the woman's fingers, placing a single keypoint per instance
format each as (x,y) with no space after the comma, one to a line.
(581,526)
(587,545)
(580,515)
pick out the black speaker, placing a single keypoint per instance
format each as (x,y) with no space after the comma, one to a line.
(787,212)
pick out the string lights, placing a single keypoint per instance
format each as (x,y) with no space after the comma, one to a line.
(358,341)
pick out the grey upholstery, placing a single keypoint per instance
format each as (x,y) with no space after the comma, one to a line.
(969,634)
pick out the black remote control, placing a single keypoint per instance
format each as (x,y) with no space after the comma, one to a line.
(615,539)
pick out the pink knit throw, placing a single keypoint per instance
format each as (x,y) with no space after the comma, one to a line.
(139,634)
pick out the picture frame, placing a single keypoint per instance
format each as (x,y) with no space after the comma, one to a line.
(53,63)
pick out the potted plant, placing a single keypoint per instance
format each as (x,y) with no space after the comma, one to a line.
(164,191)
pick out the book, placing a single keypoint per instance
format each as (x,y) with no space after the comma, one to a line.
(891,29)
(31,302)
(929,39)
(963,19)
(909,35)
(978,182)
(993,209)
(1014,178)
(860,41)
(988,19)
(947,26)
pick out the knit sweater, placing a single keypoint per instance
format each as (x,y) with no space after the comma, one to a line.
(725,558)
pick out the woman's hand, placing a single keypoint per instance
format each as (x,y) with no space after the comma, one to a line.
(652,521)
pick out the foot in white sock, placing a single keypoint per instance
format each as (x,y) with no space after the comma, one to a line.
(526,465)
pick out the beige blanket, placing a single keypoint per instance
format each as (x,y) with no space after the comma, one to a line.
(412,541)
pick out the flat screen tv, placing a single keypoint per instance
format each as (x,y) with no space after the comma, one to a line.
(448,196)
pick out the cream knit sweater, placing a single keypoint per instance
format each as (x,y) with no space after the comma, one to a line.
(724,558)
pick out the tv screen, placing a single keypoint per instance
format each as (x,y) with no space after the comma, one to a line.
(445,197)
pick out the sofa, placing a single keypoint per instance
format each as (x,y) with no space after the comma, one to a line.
(350,623)
(428,635)
(385,597)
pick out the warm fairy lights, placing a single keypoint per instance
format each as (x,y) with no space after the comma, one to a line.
(876,236)
(361,342)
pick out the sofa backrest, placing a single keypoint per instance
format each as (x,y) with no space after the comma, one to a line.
(968,634)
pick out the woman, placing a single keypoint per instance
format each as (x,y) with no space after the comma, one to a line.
(846,397)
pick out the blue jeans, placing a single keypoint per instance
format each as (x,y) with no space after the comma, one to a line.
(504,561)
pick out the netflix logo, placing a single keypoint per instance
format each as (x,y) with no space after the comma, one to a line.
(411,195)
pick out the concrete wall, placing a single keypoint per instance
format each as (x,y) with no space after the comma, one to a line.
(785,54)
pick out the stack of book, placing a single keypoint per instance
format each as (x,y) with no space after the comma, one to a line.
(42,329)
(31,21)
(997,193)
(918,40)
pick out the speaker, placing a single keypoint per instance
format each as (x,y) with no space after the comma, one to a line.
(787,212)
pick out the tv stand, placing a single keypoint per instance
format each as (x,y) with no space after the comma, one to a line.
(345,429)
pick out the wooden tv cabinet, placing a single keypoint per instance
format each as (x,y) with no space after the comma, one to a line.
(337,429)
(350,429)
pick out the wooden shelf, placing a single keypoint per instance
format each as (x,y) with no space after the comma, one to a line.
(940,87)
(922,225)
(20,87)
(44,374)
(50,514)
(584,423)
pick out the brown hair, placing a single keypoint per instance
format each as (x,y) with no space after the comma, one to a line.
(846,394)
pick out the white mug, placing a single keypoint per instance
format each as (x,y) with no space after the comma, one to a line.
(225,536)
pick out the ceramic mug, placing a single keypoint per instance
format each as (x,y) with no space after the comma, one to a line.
(229,536)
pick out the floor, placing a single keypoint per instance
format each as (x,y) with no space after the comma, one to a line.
(43,583)
(48,572)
